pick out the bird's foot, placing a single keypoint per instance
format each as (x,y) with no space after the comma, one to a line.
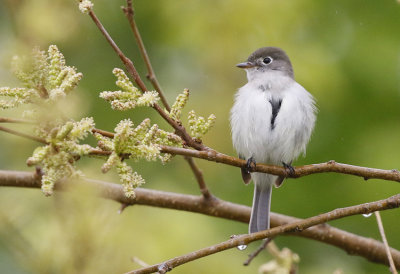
(250,165)
(289,169)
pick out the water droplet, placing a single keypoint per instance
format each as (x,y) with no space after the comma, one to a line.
(367,215)
(241,247)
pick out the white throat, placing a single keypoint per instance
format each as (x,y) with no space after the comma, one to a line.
(269,80)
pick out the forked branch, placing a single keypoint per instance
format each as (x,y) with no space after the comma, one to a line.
(130,15)
(389,203)
(300,171)
(368,248)
(180,130)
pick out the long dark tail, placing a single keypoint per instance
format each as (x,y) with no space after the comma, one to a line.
(259,219)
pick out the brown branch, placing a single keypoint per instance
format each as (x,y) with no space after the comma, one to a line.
(12,120)
(21,134)
(389,203)
(103,132)
(300,171)
(180,130)
(199,177)
(129,13)
(125,60)
(385,242)
(263,245)
(368,248)
(215,156)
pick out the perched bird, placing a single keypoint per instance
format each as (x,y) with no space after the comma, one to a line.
(271,120)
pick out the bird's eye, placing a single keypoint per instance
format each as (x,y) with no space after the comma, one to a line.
(267,60)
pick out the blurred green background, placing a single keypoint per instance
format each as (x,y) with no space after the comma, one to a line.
(346,53)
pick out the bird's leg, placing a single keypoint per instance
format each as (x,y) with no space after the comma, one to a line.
(250,165)
(246,170)
(289,169)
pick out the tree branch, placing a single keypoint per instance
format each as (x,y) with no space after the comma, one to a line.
(103,132)
(12,120)
(368,248)
(21,134)
(180,130)
(300,171)
(215,156)
(385,242)
(199,177)
(389,203)
(263,245)
(125,60)
(129,13)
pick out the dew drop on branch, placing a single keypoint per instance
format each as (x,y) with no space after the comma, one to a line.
(241,247)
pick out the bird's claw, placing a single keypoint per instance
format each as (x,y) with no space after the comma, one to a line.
(250,165)
(289,169)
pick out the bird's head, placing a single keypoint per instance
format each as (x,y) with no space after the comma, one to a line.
(267,60)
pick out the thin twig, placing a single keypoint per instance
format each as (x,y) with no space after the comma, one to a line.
(122,208)
(139,262)
(180,130)
(300,171)
(368,248)
(103,132)
(21,134)
(199,177)
(127,62)
(263,245)
(389,203)
(12,120)
(385,242)
(129,13)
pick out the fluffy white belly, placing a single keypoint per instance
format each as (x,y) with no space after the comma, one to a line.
(252,132)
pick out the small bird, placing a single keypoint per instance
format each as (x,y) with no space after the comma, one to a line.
(271,120)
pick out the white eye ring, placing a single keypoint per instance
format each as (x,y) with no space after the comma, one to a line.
(267,60)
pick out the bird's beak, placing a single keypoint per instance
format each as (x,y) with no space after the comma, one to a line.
(245,65)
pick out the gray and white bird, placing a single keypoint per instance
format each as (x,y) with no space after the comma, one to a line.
(271,120)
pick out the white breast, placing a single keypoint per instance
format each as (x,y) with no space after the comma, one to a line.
(251,114)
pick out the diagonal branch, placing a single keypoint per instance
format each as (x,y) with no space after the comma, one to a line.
(385,242)
(129,13)
(368,248)
(180,130)
(389,203)
(263,245)
(127,62)
(199,177)
(24,135)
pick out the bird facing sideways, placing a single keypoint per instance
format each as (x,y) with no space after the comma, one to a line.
(271,120)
